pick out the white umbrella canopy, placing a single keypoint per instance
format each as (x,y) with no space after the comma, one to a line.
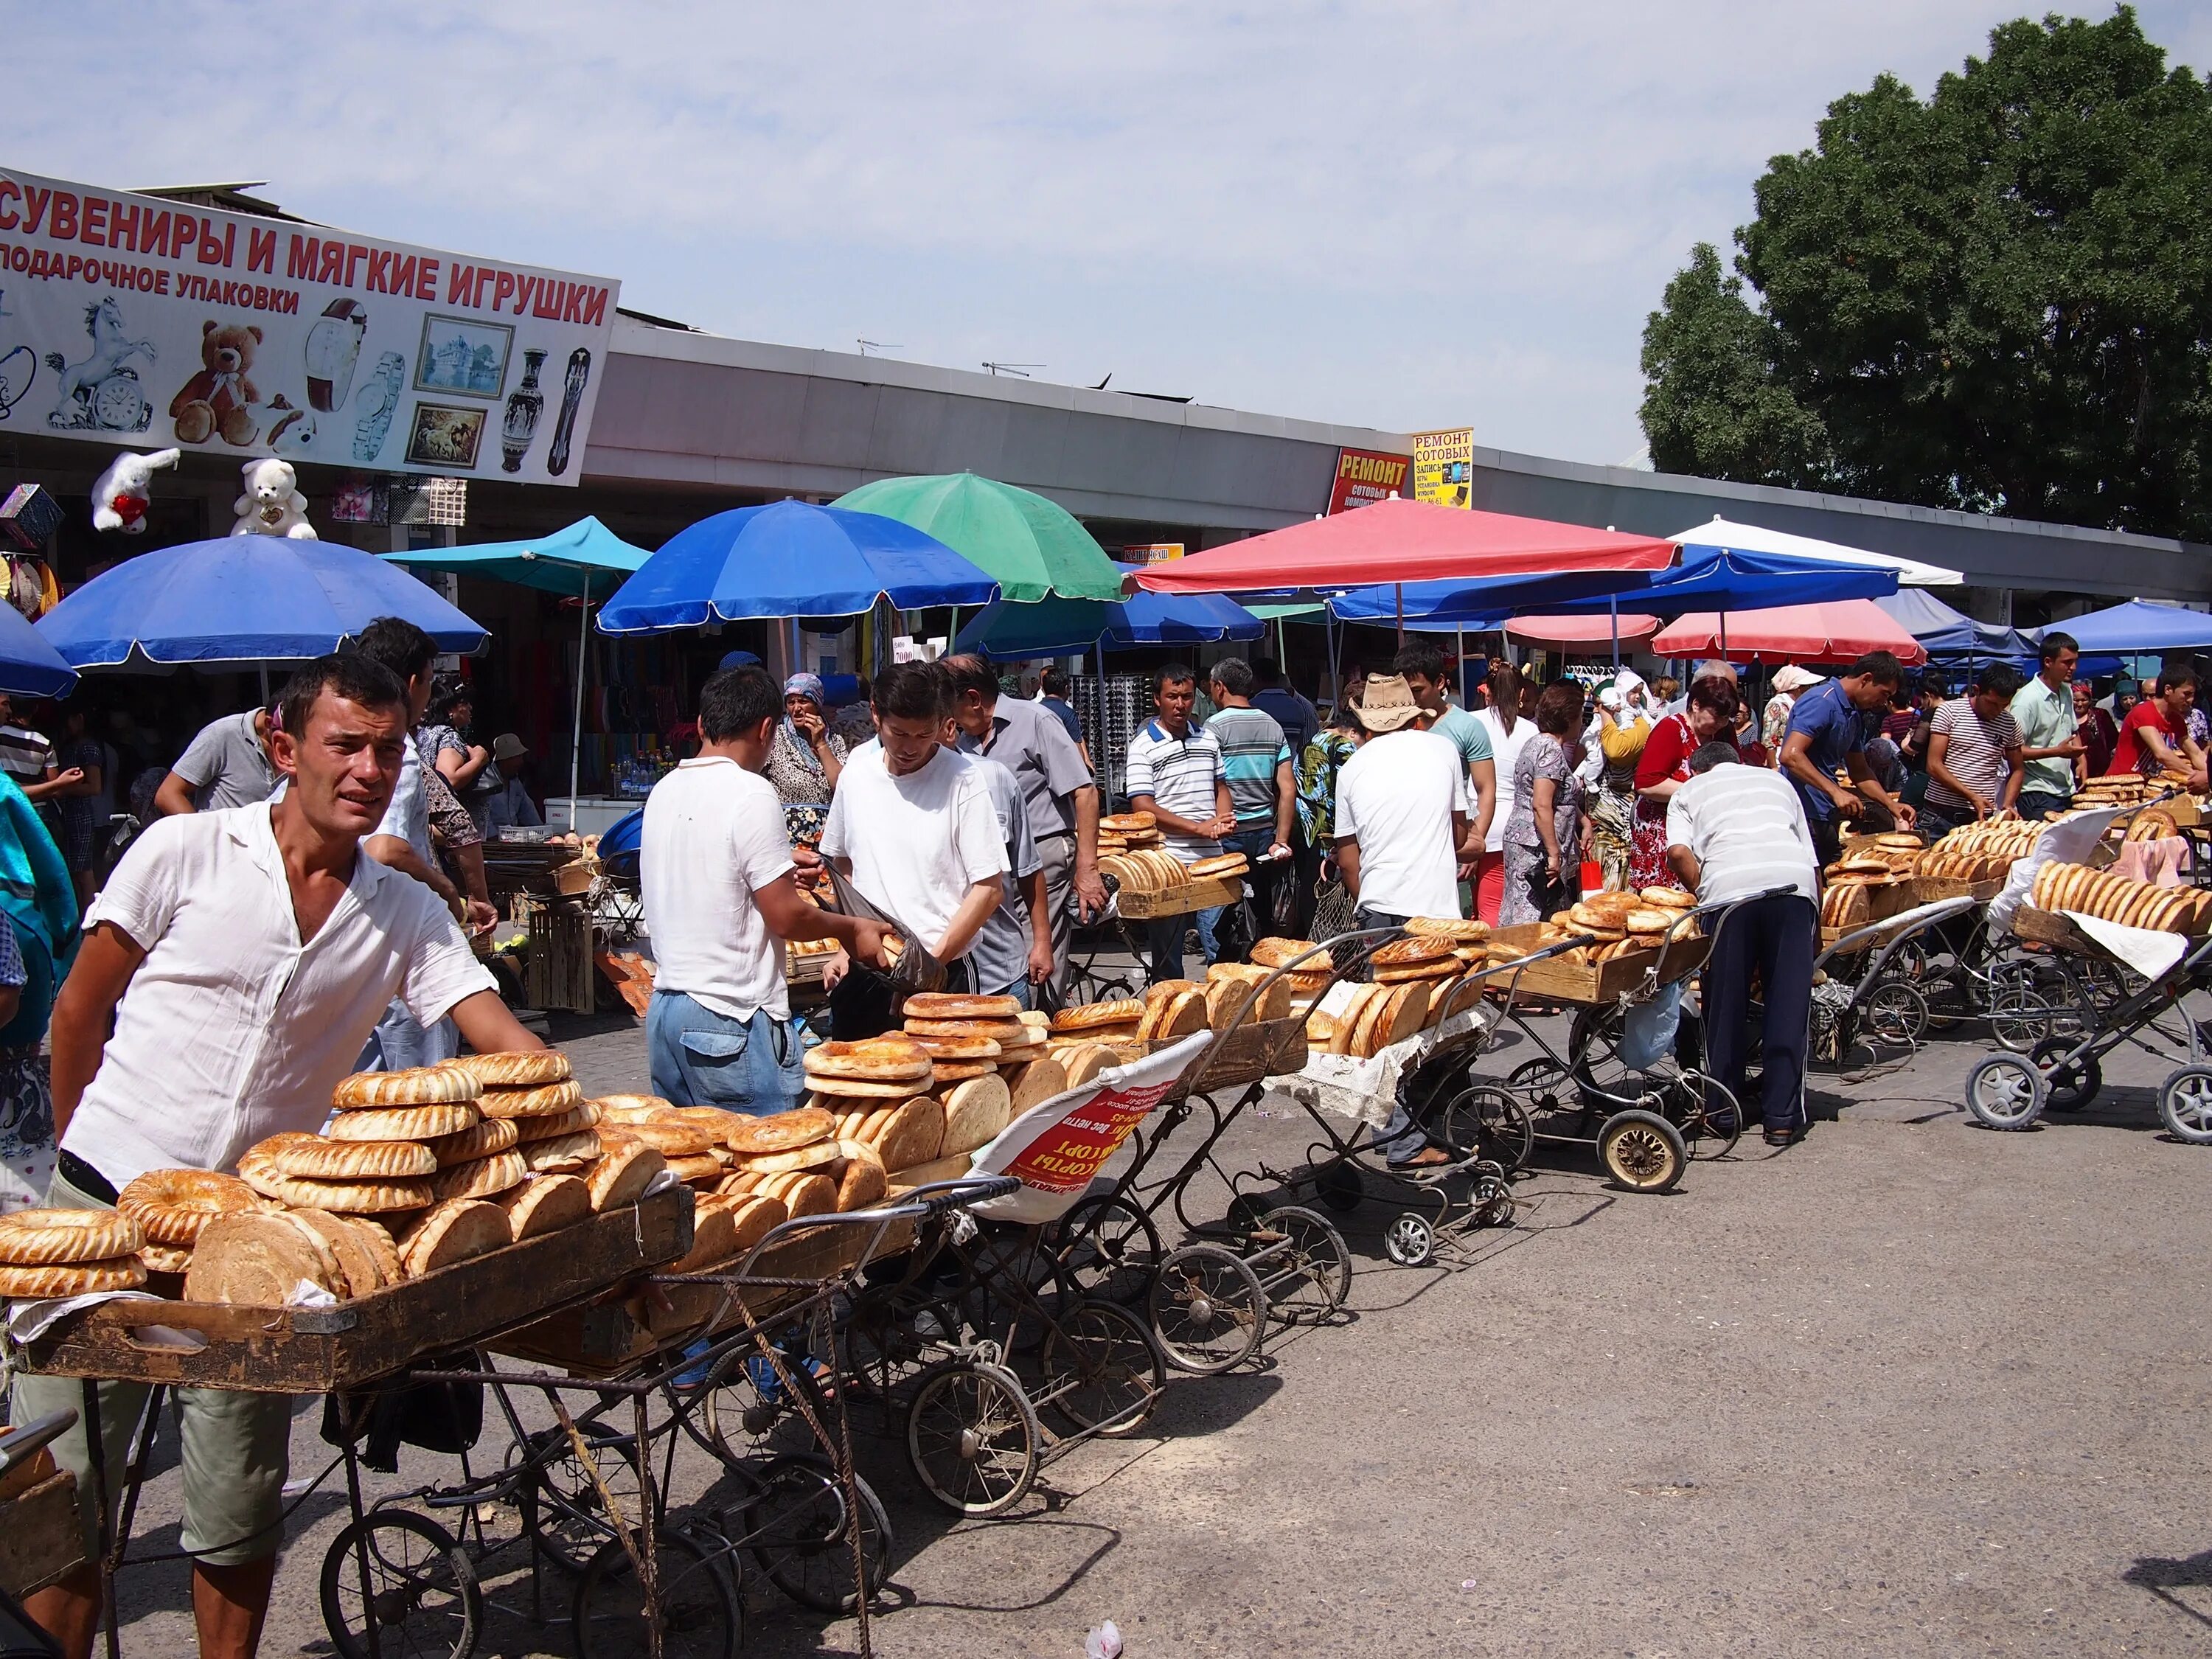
(1752,538)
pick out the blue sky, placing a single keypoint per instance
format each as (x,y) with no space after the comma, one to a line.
(1393,215)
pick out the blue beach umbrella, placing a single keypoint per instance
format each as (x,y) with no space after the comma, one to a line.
(29,666)
(1056,628)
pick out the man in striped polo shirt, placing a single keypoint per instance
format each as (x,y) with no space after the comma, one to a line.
(1256,764)
(1175,773)
(1734,831)
(1974,763)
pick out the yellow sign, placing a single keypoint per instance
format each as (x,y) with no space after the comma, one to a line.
(1151,552)
(1443,467)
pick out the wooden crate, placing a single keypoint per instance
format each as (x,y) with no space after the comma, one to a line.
(1184,898)
(1929,890)
(611,1334)
(1594,983)
(1257,1048)
(317,1350)
(557,972)
(40,1538)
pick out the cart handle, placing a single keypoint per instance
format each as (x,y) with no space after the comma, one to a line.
(917,1205)
(24,1443)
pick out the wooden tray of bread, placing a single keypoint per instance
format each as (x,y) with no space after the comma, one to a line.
(1182,898)
(265,1350)
(1563,979)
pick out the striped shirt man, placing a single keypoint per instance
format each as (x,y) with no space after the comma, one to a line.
(1178,774)
(1748,832)
(1252,747)
(1975,756)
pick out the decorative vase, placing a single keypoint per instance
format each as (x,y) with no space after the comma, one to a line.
(524,404)
(572,398)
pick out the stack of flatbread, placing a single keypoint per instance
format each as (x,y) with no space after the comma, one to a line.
(2077,887)
(1121,832)
(968,1036)
(54,1252)
(1312,975)
(1097,1022)
(1985,851)
(1173,1008)
(1374,1017)
(174,1206)
(1239,993)
(1145,870)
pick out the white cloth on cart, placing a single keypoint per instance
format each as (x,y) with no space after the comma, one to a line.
(2070,841)
(1366,1091)
(2149,951)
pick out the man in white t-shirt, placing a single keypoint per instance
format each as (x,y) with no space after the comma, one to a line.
(1509,732)
(912,825)
(716,870)
(231,967)
(1403,811)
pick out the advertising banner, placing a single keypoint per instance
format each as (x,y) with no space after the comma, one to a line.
(1365,476)
(1443,467)
(1151,552)
(135,320)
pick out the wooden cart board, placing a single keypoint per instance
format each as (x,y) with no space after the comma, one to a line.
(1254,1049)
(1596,982)
(612,1333)
(1930,890)
(320,1350)
(40,1537)
(1143,903)
(2052,928)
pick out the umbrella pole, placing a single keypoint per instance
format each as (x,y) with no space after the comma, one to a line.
(1612,609)
(576,736)
(1400,589)
(264,683)
(1723,636)
(1459,654)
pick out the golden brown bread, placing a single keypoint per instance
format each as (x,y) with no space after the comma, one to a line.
(418,1085)
(524,1069)
(121,1273)
(780,1132)
(318,1160)
(173,1205)
(546,1100)
(480,1177)
(404,1122)
(545,1205)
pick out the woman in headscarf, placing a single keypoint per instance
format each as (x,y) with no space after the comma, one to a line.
(804,759)
(1790,682)
(38,916)
(1620,731)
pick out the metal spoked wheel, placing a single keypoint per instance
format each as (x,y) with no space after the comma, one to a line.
(744,1401)
(1303,1263)
(2005,1091)
(1539,1085)
(572,1523)
(2185,1104)
(1409,1240)
(972,1437)
(2070,1085)
(1641,1150)
(796,1526)
(697,1612)
(1109,1248)
(1487,1123)
(1101,1373)
(2020,1016)
(421,1594)
(1712,1117)
(1896,1013)
(1491,1197)
(1208,1310)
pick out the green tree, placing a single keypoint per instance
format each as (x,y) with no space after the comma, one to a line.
(1997,299)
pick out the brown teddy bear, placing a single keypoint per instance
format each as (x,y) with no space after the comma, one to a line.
(217,401)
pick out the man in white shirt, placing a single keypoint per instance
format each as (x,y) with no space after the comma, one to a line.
(1403,811)
(1175,772)
(240,958)
(717,872)
(1736,832)
(1509,732)
(913,828)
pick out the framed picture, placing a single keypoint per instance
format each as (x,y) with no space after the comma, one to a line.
(445,435)
(463,355)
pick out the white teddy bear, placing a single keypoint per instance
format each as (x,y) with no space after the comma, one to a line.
(120,497)
(272,505)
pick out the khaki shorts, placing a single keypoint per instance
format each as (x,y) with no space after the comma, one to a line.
(237,1450)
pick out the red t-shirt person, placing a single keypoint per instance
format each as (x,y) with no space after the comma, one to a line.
(2130,754)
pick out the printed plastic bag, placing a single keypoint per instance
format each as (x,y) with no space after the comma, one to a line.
(1648,1028)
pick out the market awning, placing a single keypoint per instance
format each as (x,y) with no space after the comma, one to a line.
(1838,633)
(1404,541)
(1054,628)
(1034,547)
(1950,636)
(587,559)
(2140,627)
(243,600)
(1754,538)
(29,665)
(1569,632)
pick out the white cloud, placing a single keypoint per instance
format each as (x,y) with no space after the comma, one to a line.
(1396,213)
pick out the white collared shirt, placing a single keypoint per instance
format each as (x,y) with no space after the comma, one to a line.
(232,1029)
(714,837)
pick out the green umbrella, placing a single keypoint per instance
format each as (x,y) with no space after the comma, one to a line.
(1035,548)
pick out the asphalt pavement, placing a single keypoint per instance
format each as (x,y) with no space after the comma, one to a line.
(1910,1387)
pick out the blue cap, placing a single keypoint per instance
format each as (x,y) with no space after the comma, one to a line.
(738,660)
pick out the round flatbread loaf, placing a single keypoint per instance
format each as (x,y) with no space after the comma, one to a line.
(863,1179)
(676,1139)
(494,1134)
(622,1109)
(625,1169)
(259,1259)
(909,1134)
(703,1168)
(1650,919)
(1276,952)
(1084,1062)
(1127,824)
(960,1071)
(360,1264)
(172,1205)
(1122,1010)
(378,1242)
(968,1049)
(999,1030)
(1225,864)
(1459,931)
(418,1085)
(813,1156)
(583,1116)
(47,1238)
(1668,898)
(779,1132)
(165,1258)
(1406,952)
(714,1235)
(975,1112)
(1039,1080)
(528,1069)
(343,1197)
(545,1205)
(852,1088)
(802,1193)
(882,1059)
(456,1230)
(561,1154)
(549,1100)
(318,1160)
(121,1272)
(480,1177)
(940,1005)
(403,1122)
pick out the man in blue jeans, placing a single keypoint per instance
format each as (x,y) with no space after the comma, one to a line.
(1173,772)
(717,873)
(1256,763)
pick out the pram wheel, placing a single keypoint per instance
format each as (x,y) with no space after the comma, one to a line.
(795,1526)
(1107,1248)
(2020,1018)
(696,1607)
(1308,1273)
(2185,1104)
(1712,1118)
(745,1399)
(1208,1311)
(2072,1086)
(422,1594)
(1896,1012)
(1641,1150)
(571,1521)
(2005,1091)
(1409,1241)
(1102,1374)
(1486,1123)
(972,1437)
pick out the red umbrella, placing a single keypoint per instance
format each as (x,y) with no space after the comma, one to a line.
(1837,632)
(1404,541)
(1580,631)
